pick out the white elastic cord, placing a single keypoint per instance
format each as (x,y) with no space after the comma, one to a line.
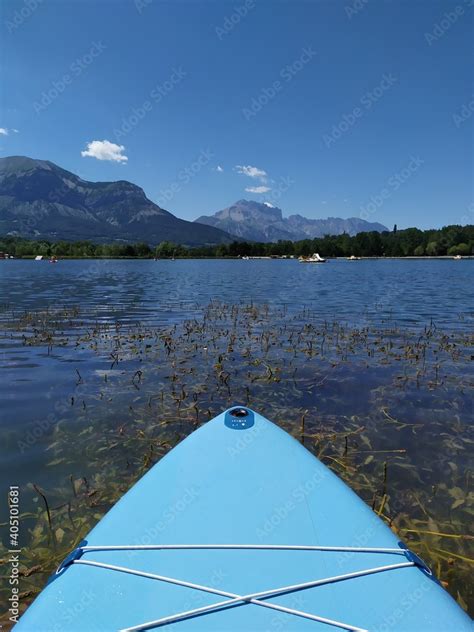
(252,598)
(264,547)
(246,598)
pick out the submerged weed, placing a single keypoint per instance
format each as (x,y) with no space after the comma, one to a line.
(387,409)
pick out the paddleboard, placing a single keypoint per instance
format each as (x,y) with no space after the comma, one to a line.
(240,528)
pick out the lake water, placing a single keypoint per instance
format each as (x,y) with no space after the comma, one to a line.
(410,292)
(106,365)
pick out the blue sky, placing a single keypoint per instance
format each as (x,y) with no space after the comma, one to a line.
(334,108)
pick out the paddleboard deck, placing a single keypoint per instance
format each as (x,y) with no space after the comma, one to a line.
(241,480)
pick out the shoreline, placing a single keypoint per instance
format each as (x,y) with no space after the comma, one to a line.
(274,258)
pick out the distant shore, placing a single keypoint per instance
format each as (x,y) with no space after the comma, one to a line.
(410,243)
(197,258)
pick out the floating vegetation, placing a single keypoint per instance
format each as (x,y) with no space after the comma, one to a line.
(388,410)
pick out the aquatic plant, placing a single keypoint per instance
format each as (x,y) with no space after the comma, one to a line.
(374,404)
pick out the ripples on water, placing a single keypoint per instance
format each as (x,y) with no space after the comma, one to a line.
(107,364)
(409,292)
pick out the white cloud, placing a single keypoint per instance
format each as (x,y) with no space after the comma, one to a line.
(105,150)
(258,189)
(219,169)
(252,172)
(5,132)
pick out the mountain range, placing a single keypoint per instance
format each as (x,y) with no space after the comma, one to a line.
(256,221)
(40,200)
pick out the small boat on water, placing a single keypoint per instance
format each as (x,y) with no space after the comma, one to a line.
(248,258)
(457,258)
(353,258)
(242,513)
(53,259)
(315,258)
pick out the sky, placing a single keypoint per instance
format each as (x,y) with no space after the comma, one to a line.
(346,108)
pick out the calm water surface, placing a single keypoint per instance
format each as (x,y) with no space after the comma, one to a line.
(406,291)
(105,365)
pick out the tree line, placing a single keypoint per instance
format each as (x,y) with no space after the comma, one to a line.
(449,240)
